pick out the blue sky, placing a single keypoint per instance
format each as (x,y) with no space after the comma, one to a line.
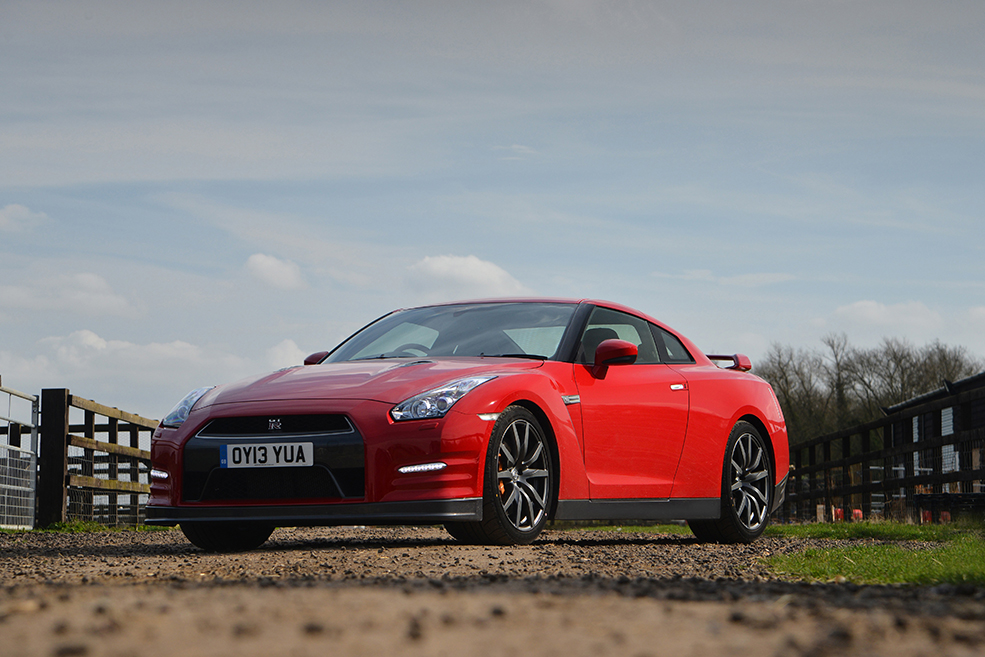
(195,192)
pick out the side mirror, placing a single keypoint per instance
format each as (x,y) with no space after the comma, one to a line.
(613,352)
(315,358)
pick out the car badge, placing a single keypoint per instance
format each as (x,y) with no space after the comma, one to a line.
(273,424)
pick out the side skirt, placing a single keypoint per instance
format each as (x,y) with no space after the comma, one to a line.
(667,509)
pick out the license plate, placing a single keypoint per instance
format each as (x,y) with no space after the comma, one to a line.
(267,455)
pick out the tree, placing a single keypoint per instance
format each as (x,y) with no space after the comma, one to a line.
(822,391)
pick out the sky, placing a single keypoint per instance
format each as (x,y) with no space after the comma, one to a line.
(195,192)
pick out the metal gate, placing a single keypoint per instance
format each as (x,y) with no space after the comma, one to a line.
(18,463)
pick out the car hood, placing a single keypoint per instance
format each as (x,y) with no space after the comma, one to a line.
(390,380)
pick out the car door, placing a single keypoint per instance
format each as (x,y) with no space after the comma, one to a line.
(634,417)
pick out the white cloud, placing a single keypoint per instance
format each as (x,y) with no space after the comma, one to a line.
(321,252)
(448,277)
(82,293)
(867,322)
(84,349)
(912,317)
(515,152)
(140,378)
(17,218)
(756,280)
(285,354)
(741,280)
(282,274)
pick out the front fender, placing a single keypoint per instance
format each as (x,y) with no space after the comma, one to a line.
(542,388)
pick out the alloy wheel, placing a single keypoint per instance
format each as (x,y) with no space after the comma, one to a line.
(523,479)
(750,481)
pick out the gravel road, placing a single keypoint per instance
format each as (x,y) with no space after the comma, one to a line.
(374,591)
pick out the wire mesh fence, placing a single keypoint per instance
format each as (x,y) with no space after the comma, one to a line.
(18,476)
(19,419)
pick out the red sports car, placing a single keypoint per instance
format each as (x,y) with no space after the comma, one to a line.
(490,417)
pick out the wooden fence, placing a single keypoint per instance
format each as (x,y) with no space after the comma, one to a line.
(917,463)
(94,469)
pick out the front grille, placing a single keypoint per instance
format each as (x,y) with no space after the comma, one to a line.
(276,425)
(316,482)
(338,470)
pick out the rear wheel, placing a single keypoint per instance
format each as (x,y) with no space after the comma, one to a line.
(747,490)
(518,483)
(226,536)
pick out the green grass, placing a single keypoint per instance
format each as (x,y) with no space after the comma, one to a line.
(75,527)
(961,560)
(85,527)
(905,554)
(676,530)
(885,531)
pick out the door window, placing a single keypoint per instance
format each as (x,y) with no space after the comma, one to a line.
(607,324)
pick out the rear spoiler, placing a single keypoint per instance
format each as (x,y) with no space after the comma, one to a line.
(740,362)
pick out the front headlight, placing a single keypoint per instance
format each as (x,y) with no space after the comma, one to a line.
(180,412)
(435,403)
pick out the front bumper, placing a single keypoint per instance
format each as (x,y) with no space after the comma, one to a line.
(425,512)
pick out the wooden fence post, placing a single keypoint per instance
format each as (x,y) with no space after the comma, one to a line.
(866,447)
(14,434)
(113,466)
(53,459)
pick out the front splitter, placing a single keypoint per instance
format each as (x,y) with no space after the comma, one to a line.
(427,512)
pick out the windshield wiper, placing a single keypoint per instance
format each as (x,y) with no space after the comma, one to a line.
(530,356)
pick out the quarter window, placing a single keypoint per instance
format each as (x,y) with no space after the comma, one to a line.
(670,349)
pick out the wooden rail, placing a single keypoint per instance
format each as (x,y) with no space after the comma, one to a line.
(84,461)
(879,469)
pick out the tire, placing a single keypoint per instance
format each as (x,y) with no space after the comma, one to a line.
(226,536)
(519,484)
(747,490)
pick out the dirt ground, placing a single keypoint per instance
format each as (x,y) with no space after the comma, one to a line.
(414,591)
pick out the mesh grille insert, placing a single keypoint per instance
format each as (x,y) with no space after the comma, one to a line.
(276,425)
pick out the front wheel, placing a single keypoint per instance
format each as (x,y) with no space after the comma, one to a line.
(226,536)
(519,484)
(747,490)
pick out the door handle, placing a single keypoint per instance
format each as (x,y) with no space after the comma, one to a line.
(677,386)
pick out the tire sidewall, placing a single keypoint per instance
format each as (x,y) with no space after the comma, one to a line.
(226,536)
(733,524)
(491,497)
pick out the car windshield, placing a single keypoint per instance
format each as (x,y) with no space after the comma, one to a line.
(519,330)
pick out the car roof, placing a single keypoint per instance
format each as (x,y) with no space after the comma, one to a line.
(696,352)
(574,301)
